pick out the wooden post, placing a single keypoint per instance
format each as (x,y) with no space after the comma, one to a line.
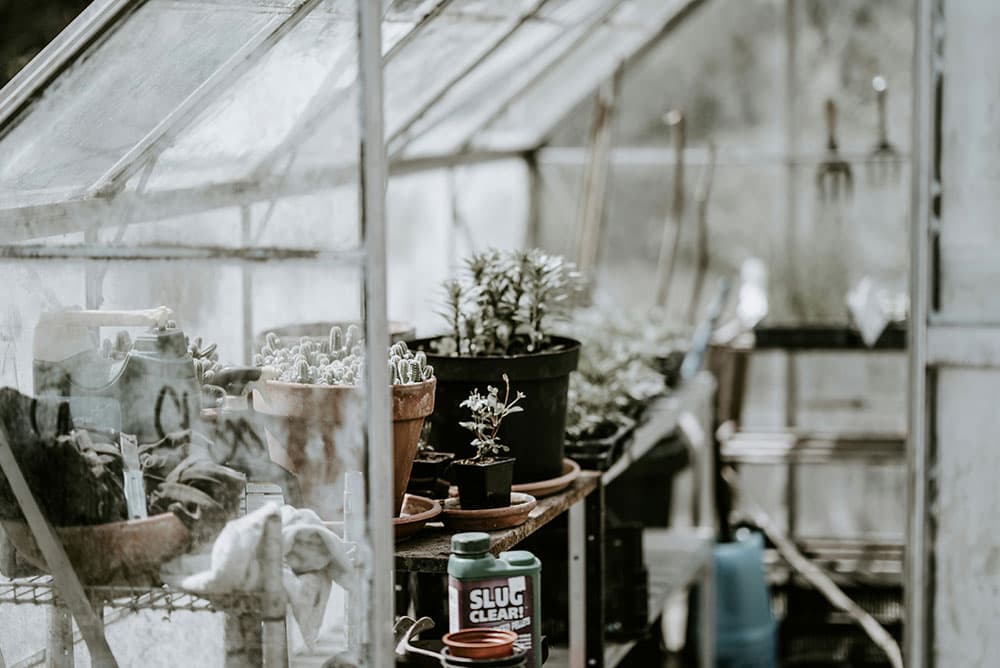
(59,647)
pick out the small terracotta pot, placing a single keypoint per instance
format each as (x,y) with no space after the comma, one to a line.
(480,643)
(322,408)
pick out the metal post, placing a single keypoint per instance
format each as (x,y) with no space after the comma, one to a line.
(918,636)
(706,613)
(246,287)
(594,506)
(372,182)
(275,636)
(791,153)
(577,585)
(59,647)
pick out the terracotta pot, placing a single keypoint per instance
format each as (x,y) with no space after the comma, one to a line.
(480,643)
(128,552)
(322,408)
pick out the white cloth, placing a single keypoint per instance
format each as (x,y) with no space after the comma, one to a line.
(314,557)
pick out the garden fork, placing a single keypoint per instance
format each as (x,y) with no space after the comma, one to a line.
(833,174)
(883,161)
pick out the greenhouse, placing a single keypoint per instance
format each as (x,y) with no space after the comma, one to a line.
(686,309)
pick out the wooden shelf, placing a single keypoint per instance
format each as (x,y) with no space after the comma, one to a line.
(428,552)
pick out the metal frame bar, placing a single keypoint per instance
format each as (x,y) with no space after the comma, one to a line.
(161,136)
(68,584)
(577,536)
(373,181)
(918,630)
(40,220)
(187,253)
(43,68)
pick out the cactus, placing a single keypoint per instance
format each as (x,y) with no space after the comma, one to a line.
(339,360)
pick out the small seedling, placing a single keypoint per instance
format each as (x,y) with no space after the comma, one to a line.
(488,412)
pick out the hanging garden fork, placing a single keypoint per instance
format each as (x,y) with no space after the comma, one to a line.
(884,159)
(833,176)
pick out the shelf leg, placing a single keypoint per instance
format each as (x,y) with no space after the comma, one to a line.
(706,615)
(243,640)
(594,567)
(275,633)
(577,585)
(59,648)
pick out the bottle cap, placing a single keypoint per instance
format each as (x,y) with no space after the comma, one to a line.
(474,542)
(519,558)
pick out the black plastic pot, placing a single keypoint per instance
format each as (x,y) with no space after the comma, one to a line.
(429,476)
(537,435)
(483,484)
(431,465)
(599,453)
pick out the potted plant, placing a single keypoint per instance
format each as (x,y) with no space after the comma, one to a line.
(498,314)
(614,381)
(484,481)
(429,476)
(317,379)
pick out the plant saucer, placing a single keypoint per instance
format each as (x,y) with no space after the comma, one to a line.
(489,519)
(541,488)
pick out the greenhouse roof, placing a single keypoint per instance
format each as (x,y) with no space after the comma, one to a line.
(175,106)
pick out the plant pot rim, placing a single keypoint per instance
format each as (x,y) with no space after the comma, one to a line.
(620,431)
(323,386)
(489,637)
(570,345)
(494,460)
(545,364)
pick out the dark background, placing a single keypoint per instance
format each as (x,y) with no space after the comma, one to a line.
(26,26)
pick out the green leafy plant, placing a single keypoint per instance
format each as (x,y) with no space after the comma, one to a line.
(338,359)
(488,412)
(617,373)
(505,300)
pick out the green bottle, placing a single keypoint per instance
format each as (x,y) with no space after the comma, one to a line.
(495,592)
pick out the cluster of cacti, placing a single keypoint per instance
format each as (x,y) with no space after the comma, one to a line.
(407,367)
(206,360)
(337,360)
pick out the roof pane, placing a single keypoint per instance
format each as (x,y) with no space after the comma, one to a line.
(528,120)
(102,106)
(511,69)
(318,57)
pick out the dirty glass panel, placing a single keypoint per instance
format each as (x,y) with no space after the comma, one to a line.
(248,129)
(97,110)
(474,100)
(248,120)
(164,360)
(537,111)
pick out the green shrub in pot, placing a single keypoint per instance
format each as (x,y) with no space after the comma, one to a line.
(498,315)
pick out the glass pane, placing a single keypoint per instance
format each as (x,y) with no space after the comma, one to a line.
(98,109)
(526,122)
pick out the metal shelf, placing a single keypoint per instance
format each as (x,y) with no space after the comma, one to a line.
(41,590)
(660,421)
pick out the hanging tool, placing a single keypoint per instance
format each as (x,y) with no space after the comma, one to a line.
(833,175)
(701,241)
(666,261)
(597,178)
(884,159)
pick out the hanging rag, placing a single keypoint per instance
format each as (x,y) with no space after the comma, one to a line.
(313,558)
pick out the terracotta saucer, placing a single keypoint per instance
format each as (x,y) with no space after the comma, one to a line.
(489,519)
(415,513)
(541,488)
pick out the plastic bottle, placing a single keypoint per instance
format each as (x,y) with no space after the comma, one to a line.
(495,592)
